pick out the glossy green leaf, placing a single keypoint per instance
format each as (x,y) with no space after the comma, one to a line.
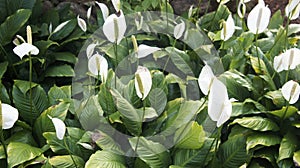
(90,113)
(158,100)
(65,31)
(152,153)
(276,97)
(3,68)
(288,146)
(60,71)
(25,153)
(12,25)
(296,157)
(66,161)
(232,153)
(4,97)
(263,139)
(106,159)
(276,20)
(106,100)
(190,136)
(249,106)
(194,158)
(21,98)
(65,57)
(105,142)
(57,94)
(43,45)
(23,136)
(132,119)
(285,112)
(257,123)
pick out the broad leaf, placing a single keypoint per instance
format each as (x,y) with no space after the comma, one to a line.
(106,100)
(67,161)
(152,153)
(3,68)
(21,97)
(25,153)
(23,136)
(190,136)
(288,146)
(60,71)
(106,159)
(194,157)
(264,139)
(65,31)
(57,94)
(296,157)
(158,100)
(257,123)
(132,119)
(12,25)
(233,152)
(105,142)
(90,113)
(285,112)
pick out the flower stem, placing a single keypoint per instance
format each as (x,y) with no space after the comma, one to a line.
(30,85)
(143,115)
(116,55)
(3,143)
(257,54)
(68,149)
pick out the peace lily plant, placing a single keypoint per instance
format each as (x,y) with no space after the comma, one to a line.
(241,111)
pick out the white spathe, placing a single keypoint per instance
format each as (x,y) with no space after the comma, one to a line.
(90,49)
(24,49)
(9,116)
(60,26)
(98,65)
(291,91)
(290,59)
(117,5)
(259,18)
(89,12)
(104,10)
(145,50)
(292,10)
(205,79)
(179,30)
(60,127)
(228,29)
(114,27)
(219,106)
(81,24)
(142,82)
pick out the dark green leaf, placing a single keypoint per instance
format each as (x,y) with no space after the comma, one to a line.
(66,161)
(264,139)
(3,68)
(257,123)
(60,71)
(288,146)
(106,159)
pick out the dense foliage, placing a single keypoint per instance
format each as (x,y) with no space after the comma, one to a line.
(122,87)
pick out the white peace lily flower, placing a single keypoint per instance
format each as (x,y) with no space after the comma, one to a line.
(24,49)
(223,1)
(145,50)
(9,116)
(291,91)
(117,5)
(259,18)
(228,28)
(98,65)
(142,82)
(241,10)
(90,49)
(114,27)
(190,11)
(292,10)
(60,26)
(219,106)
(86,146)
(290,59)
(81,24)
(18,40)
(179,30)
(205,79)
(50,28)
(60,127)
(104,10)
(89,13)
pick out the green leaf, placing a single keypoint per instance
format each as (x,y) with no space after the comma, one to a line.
(107,143)
(57,94)
(132,119)
(191,136)
(4,97)
(232,153)
(288,146)
(249,106)
(278,43)
(158,100)
(276,20)
(257,123)
(21,98)
(238,85)
(264,139)
(3,68)
(90,113)
(152,153)
(106,100)
(276,97)
(23,136)
(43,45)
(296,158)
(12,25)
(284,112)
(67,161)
(44,124)
(60,71)
(65,57)
(25,153)
(194,157)
(105,159)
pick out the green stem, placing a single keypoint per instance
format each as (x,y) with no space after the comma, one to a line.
(3,143)
(206,10)
(30,85)
(166,3)
(68,149)
(143,115)
(287,32)
(284,114)
(116,54)
(199,7)
(256,47)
